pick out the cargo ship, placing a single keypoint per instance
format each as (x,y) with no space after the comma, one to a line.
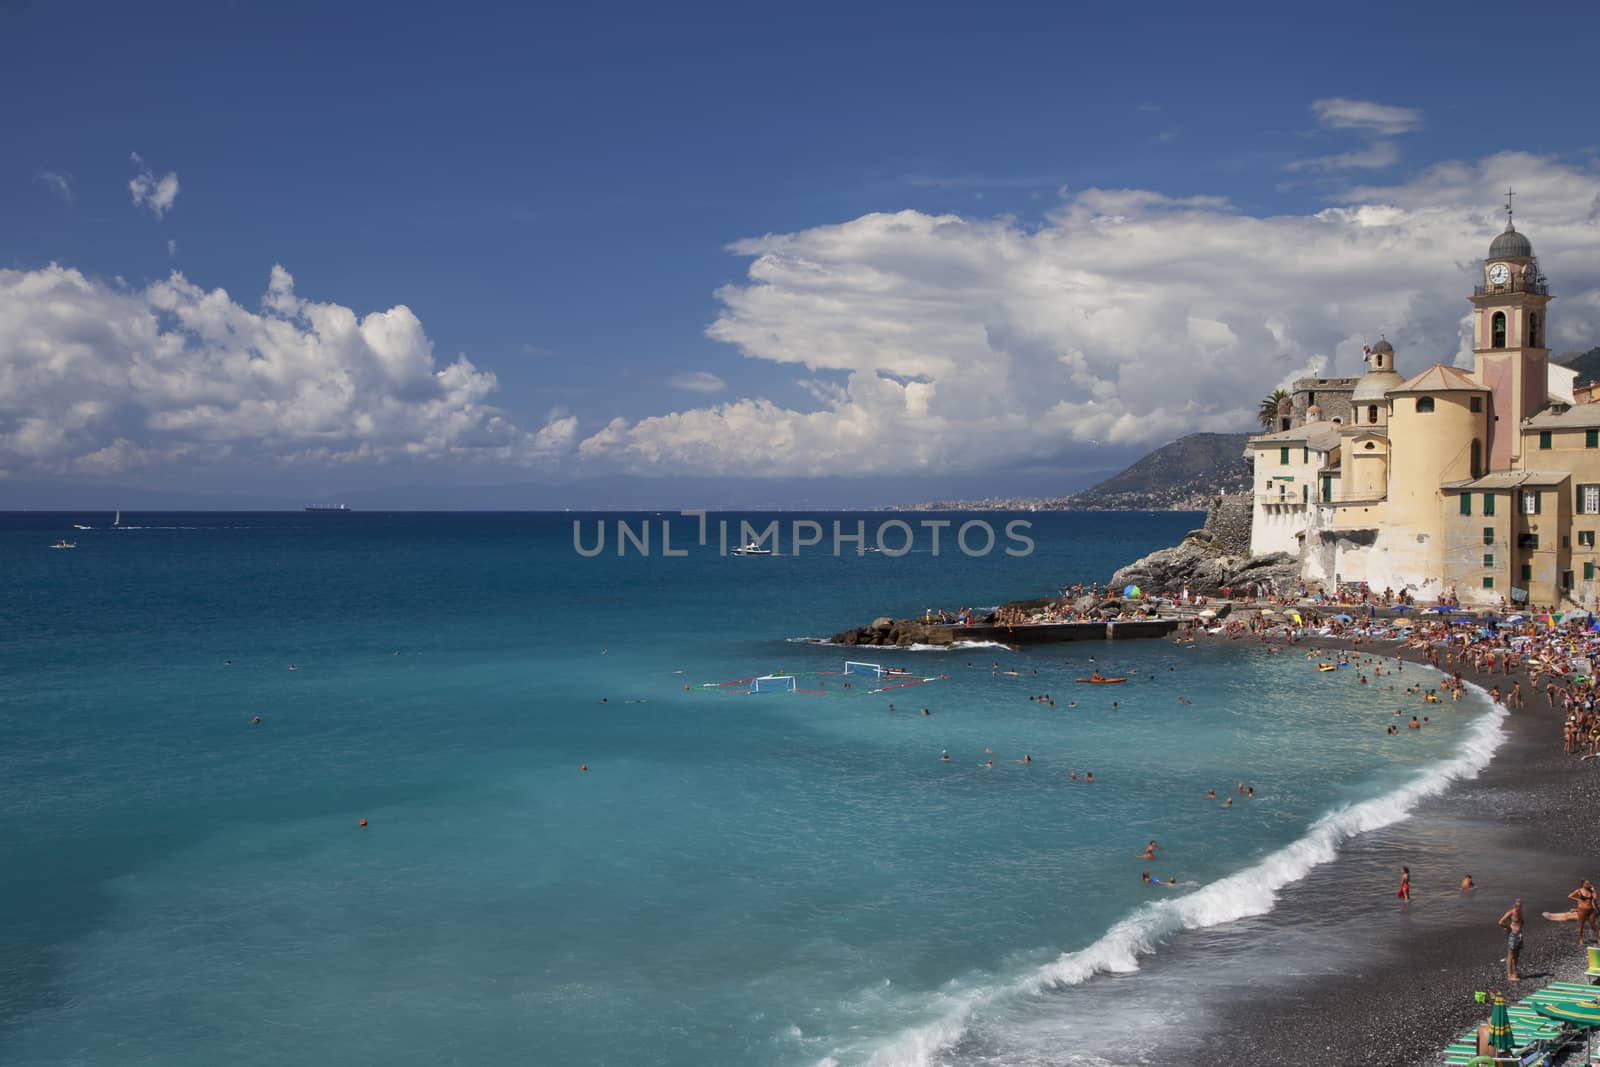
(327,507)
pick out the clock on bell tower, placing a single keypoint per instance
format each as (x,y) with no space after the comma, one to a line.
(1508,330)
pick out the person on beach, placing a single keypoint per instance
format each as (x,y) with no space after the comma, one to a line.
(1405,884)
(1511,922)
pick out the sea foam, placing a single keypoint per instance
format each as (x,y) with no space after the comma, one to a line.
(1247,893)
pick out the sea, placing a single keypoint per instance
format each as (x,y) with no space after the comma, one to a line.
(409,788)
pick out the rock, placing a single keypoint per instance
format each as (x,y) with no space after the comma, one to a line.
(1205,571)
(1202,535)
(882,622)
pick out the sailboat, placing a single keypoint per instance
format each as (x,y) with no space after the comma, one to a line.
(116,523)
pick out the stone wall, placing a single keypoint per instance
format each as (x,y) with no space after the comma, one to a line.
(1332,395)
(1228,523)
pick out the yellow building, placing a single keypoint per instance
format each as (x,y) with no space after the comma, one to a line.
(1484,484)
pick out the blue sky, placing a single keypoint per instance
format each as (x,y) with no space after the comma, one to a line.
(572,199)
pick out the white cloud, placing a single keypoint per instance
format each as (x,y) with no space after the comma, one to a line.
(97,377)
(156,194)
(1376,156)
(60,184)
(1342,113)
(937,341)
(698,381)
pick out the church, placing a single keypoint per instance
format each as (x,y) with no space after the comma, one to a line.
(1484,485)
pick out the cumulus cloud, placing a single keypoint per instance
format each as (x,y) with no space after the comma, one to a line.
(98,377)
(156,195)
(59,184)
(1375,156)
(697,381)
(1341,113)
(939,341)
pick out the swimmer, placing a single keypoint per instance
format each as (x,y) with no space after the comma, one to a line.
(292,667)
(1185,700)
(1468,883)
(1228,803)
(1146,877)
(227,663)
(925,711)
(605,700)
(990,764)
(256,721)
(1113,705)
(1025,758)
(945,755)
(603,651)
(1211,794)
(1249,792)
(1088,776)
(1073,775)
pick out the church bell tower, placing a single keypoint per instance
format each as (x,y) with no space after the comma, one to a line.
(1509,351)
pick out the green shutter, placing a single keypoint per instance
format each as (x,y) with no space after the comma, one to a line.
(1488,535)
(1488,503)
(1305,493)
(1488,559)
(1466,503)
(1488,583)
(1283,454)
(1327,489)
(1544,438)
(1527,572)
(1588,572)
(1305,454)
(1591,439)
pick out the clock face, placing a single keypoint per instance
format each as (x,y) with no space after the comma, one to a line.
(1498,274)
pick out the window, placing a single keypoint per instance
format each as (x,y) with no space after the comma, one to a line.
(1527,572)
(1372,414)
(1531,542)
(1476,404)
(1588,572)
(1488,503)
(1283,454)
(1424,405)
(1566,579)
(1305,454)
(1488,535)
(1327,490)
(1488,559)
(1544,440)
(1488,582)
(1588,500)
(1477,461)
(1585,538)
(1530,501)
(1533,329)
(1497,330)
(1591,439)
(1466,503)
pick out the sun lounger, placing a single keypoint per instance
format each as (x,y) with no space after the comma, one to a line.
(1593,973)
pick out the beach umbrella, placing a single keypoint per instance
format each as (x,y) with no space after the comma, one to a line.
(1437,611)
(1402,622)
(1208,614)
(1516,618)
(1402,607)
(1500,1026)
(1131,590)
(1342,618)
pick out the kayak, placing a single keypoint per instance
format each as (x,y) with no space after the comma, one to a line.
(1327,667)
(1102,681)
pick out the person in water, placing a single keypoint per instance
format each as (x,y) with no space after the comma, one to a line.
(1468,883)
(1404,892)
(1211,794)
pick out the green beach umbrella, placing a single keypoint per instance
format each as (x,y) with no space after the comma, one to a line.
(1500,1026)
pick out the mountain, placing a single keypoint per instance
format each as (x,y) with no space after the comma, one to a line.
(1587,364)
(1181,476)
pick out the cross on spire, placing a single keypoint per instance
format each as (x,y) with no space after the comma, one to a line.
(1509,194)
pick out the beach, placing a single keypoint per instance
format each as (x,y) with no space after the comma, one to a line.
(1522,828)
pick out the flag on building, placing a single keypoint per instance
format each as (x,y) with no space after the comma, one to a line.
(1366,354)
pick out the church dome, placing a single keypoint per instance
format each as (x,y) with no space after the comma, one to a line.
(1383,346)
(1374,386)
(1510,244)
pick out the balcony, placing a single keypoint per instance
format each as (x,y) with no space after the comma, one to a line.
(1274,498)
(1517,283)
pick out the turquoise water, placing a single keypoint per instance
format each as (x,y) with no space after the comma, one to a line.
(786,879)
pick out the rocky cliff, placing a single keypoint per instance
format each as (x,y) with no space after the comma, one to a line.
(1206,567)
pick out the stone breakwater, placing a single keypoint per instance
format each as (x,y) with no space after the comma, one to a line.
(1207,561)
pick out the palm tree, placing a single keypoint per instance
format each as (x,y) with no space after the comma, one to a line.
(1268,413)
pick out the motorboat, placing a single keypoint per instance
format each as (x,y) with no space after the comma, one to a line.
(81,526)
(752,549)
(65,544)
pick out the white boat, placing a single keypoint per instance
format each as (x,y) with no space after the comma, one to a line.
(65,544)
(116,523)
(752,549)
(81,526)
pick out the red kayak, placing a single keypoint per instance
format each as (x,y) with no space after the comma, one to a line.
(1102,681)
